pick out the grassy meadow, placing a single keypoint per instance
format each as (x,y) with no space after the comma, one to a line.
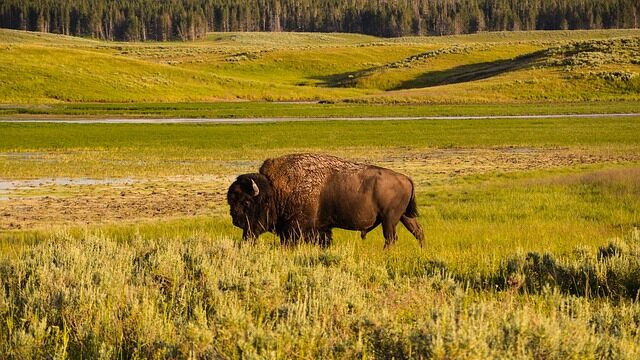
(116,242)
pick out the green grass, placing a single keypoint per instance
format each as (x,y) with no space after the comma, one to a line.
(486,221)
(303,110)
(327,134)
(481,68)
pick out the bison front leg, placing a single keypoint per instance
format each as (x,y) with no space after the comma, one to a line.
(363,233)
(325,238)
(248,236)
(289,239)
(289,236)
(389,232)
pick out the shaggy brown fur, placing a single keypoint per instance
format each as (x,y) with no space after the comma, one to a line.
(306,195)
(297,180)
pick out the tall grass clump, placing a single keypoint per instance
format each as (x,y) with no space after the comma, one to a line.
(202,296)
(614,272)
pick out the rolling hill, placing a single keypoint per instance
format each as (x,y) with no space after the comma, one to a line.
(538,66)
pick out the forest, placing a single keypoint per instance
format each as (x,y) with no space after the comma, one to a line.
(162,20)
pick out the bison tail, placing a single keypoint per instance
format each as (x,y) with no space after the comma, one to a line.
(412,208)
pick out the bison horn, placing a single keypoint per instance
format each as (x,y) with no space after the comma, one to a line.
(256,189)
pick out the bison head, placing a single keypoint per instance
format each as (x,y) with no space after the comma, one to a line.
(249,199)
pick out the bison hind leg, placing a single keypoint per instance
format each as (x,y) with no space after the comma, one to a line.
(414,228)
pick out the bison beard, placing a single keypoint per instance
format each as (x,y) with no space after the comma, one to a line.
(305,196)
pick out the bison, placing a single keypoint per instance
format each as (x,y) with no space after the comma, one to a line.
(305,196)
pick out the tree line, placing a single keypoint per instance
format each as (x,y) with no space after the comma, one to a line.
(161,20)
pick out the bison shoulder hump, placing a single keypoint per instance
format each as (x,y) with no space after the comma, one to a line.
(305,172)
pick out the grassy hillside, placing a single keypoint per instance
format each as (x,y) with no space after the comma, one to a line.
(491,67)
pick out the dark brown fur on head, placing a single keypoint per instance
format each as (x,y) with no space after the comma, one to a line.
(250,205)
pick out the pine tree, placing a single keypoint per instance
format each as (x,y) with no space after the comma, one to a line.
(190,19)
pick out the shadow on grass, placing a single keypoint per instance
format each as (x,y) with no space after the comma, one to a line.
(472,72)
(346,79)
(459,74)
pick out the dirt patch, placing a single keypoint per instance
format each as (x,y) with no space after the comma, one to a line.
(23,155)
(628,178)
(443,164)
(6,185)
(110,201)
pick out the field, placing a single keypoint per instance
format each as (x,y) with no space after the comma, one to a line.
(116,242)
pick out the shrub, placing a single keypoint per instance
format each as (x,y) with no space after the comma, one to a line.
(614,272)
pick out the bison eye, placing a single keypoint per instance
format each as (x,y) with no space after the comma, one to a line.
(247,203)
